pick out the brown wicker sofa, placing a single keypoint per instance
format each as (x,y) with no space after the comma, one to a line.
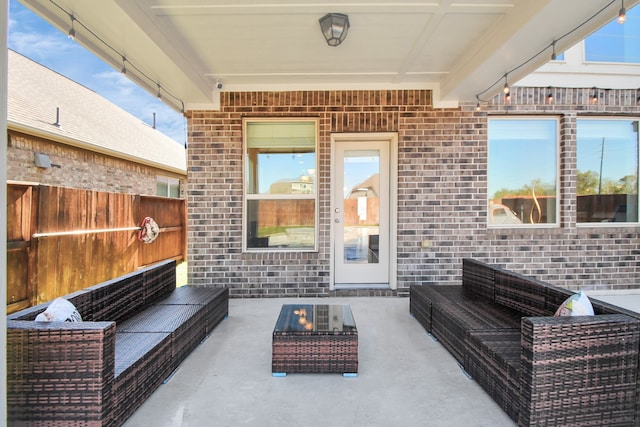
(136,330)
(542,370)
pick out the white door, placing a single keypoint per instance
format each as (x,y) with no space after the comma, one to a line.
(360,210)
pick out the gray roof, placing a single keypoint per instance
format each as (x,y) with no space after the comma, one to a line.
(87,120)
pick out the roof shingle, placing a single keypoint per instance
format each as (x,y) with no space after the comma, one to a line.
(87,120)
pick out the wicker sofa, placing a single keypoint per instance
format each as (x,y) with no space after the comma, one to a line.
(136,330)
(540,369)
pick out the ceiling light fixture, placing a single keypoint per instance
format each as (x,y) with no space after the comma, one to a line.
(622,15)
(334,27)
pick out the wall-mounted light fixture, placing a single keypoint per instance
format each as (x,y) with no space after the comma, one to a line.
(42,160)
(335,27)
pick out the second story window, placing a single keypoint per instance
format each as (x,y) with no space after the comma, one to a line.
(616,43)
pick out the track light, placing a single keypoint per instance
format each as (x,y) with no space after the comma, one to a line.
(622,15)
(72,32)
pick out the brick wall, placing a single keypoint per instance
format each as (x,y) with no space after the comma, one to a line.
(442,193)
(78,168)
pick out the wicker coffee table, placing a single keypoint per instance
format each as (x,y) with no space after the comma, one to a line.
(315,338)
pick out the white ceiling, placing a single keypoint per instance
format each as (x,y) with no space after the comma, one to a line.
(458,48)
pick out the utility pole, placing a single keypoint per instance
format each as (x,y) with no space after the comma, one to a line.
(601,160)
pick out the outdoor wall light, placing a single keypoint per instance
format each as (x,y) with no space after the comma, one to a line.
(335,27)
(42,160)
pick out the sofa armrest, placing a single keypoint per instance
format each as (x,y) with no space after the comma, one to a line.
(579,370)
(60,372)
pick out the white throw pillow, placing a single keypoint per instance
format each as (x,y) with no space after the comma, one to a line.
(60,310)
(576,305)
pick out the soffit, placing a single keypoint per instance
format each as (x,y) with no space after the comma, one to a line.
(456,48)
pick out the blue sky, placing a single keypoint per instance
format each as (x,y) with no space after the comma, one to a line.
(35,38)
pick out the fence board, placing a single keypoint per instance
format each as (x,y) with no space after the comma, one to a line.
(20,217)
(40,269)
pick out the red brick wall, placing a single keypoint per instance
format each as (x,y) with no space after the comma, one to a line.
(442,180)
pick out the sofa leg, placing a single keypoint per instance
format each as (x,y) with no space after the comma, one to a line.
(166,380)
(464,371)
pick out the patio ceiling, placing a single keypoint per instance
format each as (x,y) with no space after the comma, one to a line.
(457,48)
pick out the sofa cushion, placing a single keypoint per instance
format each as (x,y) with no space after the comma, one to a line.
(423,297)
(493,361)
(452,322)
(142,363)
(214,299)
(185,323)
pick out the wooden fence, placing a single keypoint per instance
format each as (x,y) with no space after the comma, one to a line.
(60,240)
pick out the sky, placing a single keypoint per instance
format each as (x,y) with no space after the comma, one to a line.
(36,39)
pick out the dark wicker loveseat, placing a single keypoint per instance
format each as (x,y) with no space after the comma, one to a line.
(136,330)
(541,370)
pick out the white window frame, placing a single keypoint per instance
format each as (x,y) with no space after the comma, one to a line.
(555,224)
(169,181)
(246,197)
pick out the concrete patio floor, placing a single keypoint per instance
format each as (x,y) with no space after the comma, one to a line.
(405,378)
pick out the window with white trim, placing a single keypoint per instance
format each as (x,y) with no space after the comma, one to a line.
(280,187)
(522,173)
(167,186)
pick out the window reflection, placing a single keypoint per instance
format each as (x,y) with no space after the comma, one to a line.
(522,176)
(285,224)
(280,185)
(607,181)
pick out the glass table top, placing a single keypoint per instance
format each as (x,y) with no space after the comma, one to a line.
(310,318)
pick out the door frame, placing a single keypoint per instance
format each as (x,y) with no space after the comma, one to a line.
(392,139)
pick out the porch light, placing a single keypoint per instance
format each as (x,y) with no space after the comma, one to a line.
(335,27)
(622,15)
